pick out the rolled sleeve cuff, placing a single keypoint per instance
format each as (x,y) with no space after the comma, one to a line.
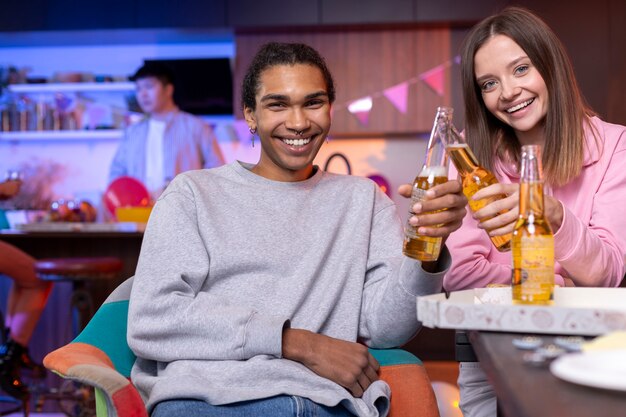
(264,336)
(421,282)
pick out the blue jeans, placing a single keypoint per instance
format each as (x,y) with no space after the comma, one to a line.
(281,406)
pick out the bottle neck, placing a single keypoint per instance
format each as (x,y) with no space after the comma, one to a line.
(531,199)
(436,153)
(463,158)
(531,184)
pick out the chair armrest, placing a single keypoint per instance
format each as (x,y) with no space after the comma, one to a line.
(411,392)
(91,366)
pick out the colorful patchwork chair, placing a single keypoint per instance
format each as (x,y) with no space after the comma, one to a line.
(100,357)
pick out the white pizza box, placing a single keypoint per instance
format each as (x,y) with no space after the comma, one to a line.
(579,311)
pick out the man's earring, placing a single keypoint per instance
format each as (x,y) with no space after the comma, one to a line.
(253,132)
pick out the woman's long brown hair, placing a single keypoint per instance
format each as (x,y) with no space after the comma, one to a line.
(567,113)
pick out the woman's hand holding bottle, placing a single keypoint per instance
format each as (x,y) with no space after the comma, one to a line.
(501,224)
(498,217)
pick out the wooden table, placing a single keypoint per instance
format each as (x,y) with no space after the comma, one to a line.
(527,391)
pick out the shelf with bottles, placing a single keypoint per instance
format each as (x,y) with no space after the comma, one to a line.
(118,86)
(49,111)
(52,135)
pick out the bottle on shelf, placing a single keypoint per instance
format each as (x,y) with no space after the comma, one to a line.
(533,242)
(474,177)
(433,172)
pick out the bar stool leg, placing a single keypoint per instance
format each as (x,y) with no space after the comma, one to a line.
(82,307)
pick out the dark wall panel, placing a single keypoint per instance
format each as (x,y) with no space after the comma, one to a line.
(367,11)
(182,13)
(616,112)
(255,13)
(77,14)
(22,15)
(456,10)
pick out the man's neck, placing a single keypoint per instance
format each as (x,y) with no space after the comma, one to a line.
(163,114)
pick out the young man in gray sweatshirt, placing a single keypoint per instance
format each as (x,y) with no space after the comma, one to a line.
(260,286)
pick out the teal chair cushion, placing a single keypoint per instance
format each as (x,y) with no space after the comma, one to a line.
(107,331)
(386,357)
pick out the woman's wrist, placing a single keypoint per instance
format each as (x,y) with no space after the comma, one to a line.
(554,213)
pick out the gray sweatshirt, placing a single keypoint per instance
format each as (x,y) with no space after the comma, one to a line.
(230,258)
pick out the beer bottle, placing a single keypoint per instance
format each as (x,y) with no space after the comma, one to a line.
(433,172)
(533,243)
(474,177)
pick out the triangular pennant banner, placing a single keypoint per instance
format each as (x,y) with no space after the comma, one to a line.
(434,79)
(361,109)
(398,95)
(243,131)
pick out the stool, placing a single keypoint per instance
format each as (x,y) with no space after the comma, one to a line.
(78,271)
(73,398)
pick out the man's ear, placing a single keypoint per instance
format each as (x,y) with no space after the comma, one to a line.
(248,114)
(169,89)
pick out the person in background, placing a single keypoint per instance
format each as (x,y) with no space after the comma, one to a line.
(167,141)
(262,301)
(519,88)
(27,299)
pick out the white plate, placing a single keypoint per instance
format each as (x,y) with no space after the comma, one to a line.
(598,368)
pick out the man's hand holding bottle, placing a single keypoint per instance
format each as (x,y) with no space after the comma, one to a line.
(447,203)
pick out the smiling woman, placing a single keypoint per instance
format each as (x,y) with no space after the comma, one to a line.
(519,89)
(512,88)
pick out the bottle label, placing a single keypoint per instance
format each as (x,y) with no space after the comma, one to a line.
(416,196)
(535,260)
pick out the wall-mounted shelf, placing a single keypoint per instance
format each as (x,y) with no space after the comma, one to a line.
(113,134)
(72,87)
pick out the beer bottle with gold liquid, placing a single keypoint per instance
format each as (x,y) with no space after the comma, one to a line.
(533,242)
(473,178)
(433,172)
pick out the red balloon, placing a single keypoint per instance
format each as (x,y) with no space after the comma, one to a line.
(124,192)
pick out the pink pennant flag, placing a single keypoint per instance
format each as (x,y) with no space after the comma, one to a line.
(361,109)
(398,96)
(243,131)
(434,78)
